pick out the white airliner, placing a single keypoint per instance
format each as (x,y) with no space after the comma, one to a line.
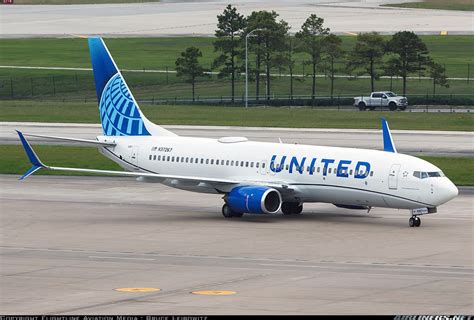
(253,177)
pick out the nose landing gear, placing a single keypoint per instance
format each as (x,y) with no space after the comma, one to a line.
(414,221)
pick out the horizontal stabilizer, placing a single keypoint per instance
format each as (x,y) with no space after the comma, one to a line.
(95,142)
(35,161)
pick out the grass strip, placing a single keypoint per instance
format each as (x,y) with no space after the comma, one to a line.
(297,117)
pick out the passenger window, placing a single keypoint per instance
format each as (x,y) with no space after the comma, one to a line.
(191,160)
(241,163)
(159,158)
(247,164)
(150,156)
(287,167)
(154,157)
(207,161)
(263,165)
(318,169)
(217,162)
(187,159)
(202,160)
(227,163)
(212,161)
(232,163)
(330,170)
(251,164)
(371,173)
(350,173)
(257,164)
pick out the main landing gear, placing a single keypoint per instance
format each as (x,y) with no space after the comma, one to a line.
(227,212)
(291,208)
(414,221)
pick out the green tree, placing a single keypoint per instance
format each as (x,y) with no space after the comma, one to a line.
(367,55)
(188,67)
(332,51)
(286,60)
(310,39)
(229,28)
(289,60)
(438,74)
(266,43)
(389,70)
(408,54)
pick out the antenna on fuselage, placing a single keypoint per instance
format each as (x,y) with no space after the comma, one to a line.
(388,144)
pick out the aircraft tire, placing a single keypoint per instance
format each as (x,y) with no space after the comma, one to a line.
(411,222)
(286,208)
(417,222)
(227,212)
(291,208)
(298,209)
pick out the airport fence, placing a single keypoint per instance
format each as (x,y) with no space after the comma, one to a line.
(166,88)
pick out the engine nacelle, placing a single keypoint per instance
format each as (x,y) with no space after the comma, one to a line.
(254,199)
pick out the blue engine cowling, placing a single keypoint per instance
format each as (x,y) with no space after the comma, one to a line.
(254,199)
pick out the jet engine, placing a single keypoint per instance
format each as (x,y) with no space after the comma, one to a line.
(254,199)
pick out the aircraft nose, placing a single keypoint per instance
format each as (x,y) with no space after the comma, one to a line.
(453,190)
(448,191)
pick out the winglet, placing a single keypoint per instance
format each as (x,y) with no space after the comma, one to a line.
(35,161)
(388,144)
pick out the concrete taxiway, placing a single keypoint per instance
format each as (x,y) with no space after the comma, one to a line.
(68,242)
(184,17)
(448,143)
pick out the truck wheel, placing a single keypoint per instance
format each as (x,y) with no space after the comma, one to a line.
(362,106)
(392,106)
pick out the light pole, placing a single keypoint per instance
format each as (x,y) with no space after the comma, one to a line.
(246,67)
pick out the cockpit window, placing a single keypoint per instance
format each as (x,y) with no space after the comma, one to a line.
(436,174)
(424,175)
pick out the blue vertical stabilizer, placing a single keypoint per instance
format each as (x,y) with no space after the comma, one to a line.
(119,112)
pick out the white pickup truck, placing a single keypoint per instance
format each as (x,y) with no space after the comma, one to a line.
(381,99)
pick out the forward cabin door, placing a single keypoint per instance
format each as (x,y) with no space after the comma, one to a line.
(393,177)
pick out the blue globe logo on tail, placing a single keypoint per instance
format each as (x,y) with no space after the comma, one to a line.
(119,113)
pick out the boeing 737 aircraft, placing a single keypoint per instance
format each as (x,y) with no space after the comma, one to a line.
(253,177)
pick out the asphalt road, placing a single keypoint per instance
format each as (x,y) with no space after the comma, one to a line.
(447,143)
(170,18)
(68,242)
